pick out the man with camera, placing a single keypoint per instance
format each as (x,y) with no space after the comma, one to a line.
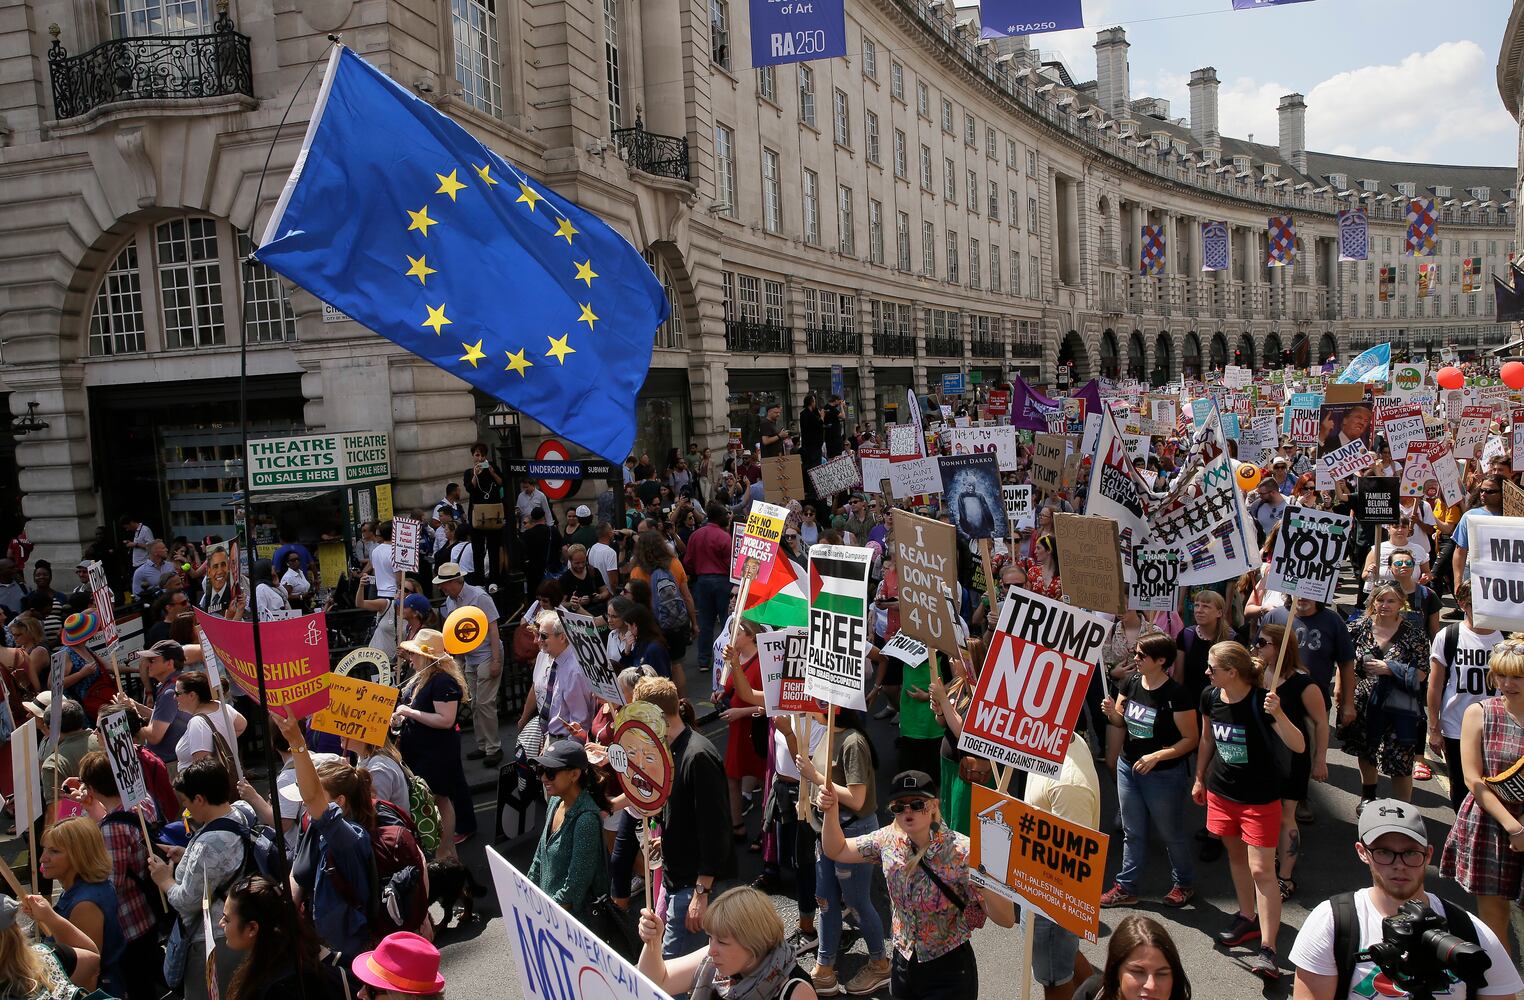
(1395,939)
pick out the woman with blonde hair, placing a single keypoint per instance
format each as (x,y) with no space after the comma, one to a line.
(1303,701)
(748,957)
(1392,673)
(74,855)
(56,969)
(429,742)
(1239,771)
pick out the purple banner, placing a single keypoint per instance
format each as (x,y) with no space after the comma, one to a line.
(999,18)
(785,31)
(1256,4)
(1028,406)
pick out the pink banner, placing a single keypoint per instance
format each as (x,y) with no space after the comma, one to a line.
(295,656)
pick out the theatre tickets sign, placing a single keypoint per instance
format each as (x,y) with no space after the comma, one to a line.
(319,461)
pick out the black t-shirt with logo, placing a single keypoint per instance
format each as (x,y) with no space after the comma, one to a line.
(1243,769)
(1149,718)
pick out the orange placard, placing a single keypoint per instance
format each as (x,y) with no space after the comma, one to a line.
(1038,860)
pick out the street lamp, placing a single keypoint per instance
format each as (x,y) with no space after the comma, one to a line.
(29,421)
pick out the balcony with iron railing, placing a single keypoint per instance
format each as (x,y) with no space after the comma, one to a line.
(157,68)
(651,152)
(1028,350)
(743,337)
(987,349)
(944,347)
(818,341)
(893,345)
(1113,302)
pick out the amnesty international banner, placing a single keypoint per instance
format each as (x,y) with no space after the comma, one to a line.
(836,668)
(294,653)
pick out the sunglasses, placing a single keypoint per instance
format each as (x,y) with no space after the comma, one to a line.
(1261,642)
(1402,562)
(542,636)
(914,805)
(790,537)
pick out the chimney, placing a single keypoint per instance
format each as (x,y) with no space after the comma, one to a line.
(1293,116)
(1203,89)
(1111,72)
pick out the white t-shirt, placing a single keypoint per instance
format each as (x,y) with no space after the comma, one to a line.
(602,558)
(270,599)
(1466,678)
(198,733)
(460,555)
(142,537)
(295,583)
(385,570)
(783,763)
(1314,952)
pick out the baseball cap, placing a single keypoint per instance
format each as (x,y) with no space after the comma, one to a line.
(417,603)
(563,754)
(1383,816)
(912,784)
(167,648)
(582,511)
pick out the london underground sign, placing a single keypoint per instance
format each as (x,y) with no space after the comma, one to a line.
(557,473)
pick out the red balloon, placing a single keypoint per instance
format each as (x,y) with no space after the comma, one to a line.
(1513,374)
(1450,378)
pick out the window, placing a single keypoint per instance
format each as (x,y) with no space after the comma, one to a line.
(772,195)
(1471,305)
(870,58)
(902,240)
(811,186)
(751,298)
(725,169)
(974,259)
(901,166)
(767,83)
(875,231)
(970,132)
(928,248)
(828,311)
(922,99)
(947,116)
(772,301)
(807,95)
(478,69)
(728,300)
(141,18)
(926,168)
(190,282)
(952,256)
(1015,199)
(991,145)
(870,135)
(848,314)
(1454,305)
(1402,307)
(116,321)
(1033,276)
(719,33)
(1031,163)
(844,220)
(670,333)
(949,180)
(1012,157)
(611,62)
(1370,270)
(843,117)
(1386,309)
(896,81)
(811,308)
(1015,273)
(996,268)
(971,190)
(994,200)
(267,315)
(1032,219)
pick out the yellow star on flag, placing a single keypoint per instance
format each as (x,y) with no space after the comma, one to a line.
(473,352)
(437,318)
(587,315)
(421,220)
(566,229)
(585,273)
(420,269)
(517,362)
(559,348)
(449,185)
(529,196)
(485,173)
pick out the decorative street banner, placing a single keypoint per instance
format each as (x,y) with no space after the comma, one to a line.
(1309,550)
(1216,253)
(555,955)
(1000,18)
(925,554)
(357,709)
(836,668)
(1054,866)
(1033,682)
(1376,501)
(999,441)
(785,31)
(322,460)
(971,495)
(781,654)
(116,740)
(1151,251)
(1495,562)
(840,473)
(1280,244)
(591,645)
(1354,235)
(1156,574)
(764,530)
(295,655)
(1019,511)
(1420,241)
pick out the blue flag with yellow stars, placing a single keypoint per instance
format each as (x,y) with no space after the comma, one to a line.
(397,216)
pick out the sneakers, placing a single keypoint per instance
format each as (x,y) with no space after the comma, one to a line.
(805,941)
(869,978)
(1177,896)
(825,982)
(1241,931)
(885,712)
(1117,896)
(1263,964)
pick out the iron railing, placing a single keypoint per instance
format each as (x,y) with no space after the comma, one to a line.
(758,338)
(893,345)
(1028,350)
(151,69)
(987,349)
(653,153)
(944,347)
(832,342)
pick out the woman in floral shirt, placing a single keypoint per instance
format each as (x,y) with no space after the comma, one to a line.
(1041,569)
(936,906)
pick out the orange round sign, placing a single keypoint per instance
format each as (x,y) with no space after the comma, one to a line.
(465,629)
(1248,476)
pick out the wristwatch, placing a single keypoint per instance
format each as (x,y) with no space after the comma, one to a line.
(701,890)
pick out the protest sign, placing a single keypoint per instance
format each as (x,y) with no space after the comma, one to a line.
(357,709)
(1048,454)
(553,954)
(836,662)
(1092,578)
(907,649)
(875,465)
(925,556)
(1206,520)
(1416,472)
(999,402)
(1518,439)
(405,534)
(999,441)
(904,441)
(1033,682)
(26,775)
(1019,510)
(1038,860)
(591,645)
(100,595)
(1155,576)
(737,529)
(1472,432)
(781,654)
(1495,566)
(1115,490)
(1342,423)
(1309,550)
(1403,426)
(1443,469)
(1376,500)
(1513,500)
(759,542)
(1303,401)
(1346,460)
(1302,427)
(783,478)
(294,654)
(840,473)
(1261,440)
(971,495)
(116,740)
(914,476)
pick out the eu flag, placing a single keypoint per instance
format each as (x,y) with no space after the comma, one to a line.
(397,216)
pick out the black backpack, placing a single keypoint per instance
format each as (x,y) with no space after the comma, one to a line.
(1346,944)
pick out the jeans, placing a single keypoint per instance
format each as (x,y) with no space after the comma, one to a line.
(622,857)
(677,939)
(1158,796)
(1054,951)
(840,886)
(484,704)
(711,601)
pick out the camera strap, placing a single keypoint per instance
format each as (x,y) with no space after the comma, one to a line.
(1346,943)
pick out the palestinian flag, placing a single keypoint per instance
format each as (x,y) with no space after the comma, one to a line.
(839,585)
(780,601)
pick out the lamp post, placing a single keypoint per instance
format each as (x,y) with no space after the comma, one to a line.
(504,421)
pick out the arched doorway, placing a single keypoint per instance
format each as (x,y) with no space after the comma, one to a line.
(1328,347)
(1072,352)
(1219,351)
(1246,351)
(1273,350)
(1137,356)
(1190,361)
(1163,359)
(1301,350)
(1110,362)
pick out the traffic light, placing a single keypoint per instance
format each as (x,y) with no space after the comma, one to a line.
(1238,357)
(1285,359)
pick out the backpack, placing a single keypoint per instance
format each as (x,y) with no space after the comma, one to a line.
(1451,632)
(260,855)
(1346,942)
(425,811)
(398,899)
(671,610)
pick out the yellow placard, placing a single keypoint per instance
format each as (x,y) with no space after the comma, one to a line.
(383,501)
(359,710)
(331,563)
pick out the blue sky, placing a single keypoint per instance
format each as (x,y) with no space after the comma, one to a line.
(1387,79)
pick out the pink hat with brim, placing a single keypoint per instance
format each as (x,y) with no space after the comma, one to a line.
(402,963)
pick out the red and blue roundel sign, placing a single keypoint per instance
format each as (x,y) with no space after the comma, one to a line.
(547,457)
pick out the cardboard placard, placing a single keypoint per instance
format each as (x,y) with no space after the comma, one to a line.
(837,660)
(1091,557)
(914,477)
(1048,454)
(357,709)
(26,774)
(1309,553)
(1513,500)
(839,474)
(100,596)
(926,559)
(783,478)
(591,646)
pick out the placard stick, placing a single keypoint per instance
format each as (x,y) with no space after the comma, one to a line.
(1028,929)
(11,880)
(645,849)
(1280,657)
(1004,781)
(748,574)
(148,843)
(991,585)
(802,746)
(31,840)
(829,736)
(116,671)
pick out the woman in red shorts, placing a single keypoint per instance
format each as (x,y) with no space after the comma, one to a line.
(743,760)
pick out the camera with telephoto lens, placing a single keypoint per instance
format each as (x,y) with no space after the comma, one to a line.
(1420,955)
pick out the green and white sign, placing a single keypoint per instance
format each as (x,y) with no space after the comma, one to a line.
(347,458)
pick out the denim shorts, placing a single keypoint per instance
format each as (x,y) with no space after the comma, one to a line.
(1053,952)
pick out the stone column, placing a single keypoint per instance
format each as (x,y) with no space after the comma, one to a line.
(54,470)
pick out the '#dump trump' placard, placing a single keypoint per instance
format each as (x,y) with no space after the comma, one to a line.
(1033,683)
